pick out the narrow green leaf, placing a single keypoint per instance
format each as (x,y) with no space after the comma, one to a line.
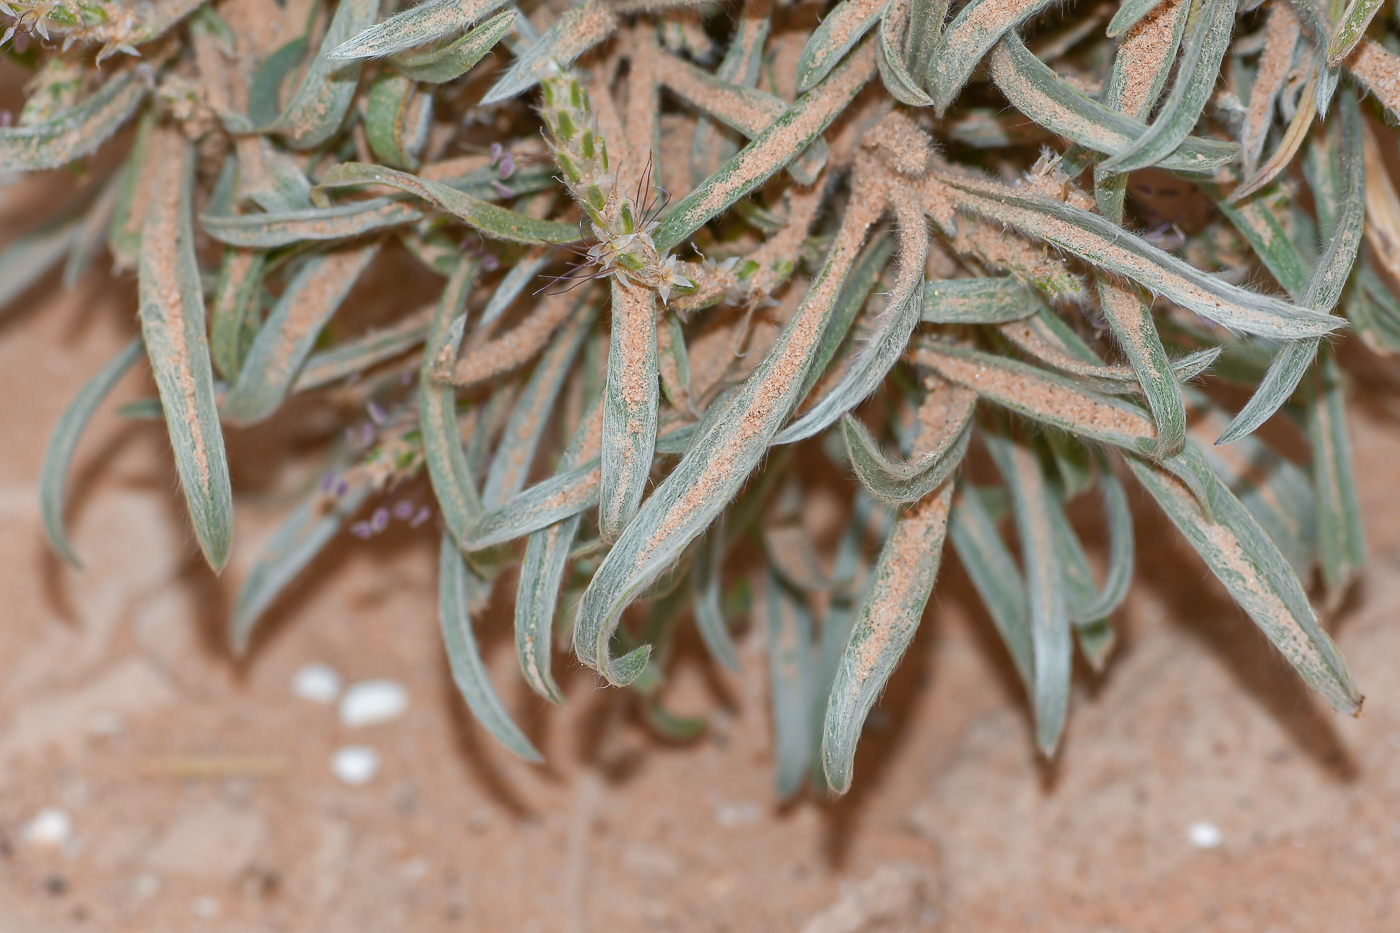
(969,37)
(460,593)
(889,616)
(451,477)
(837,34)
(288,335)
(1129,15)
(708,605)
(340,222)
(31,257)
(769,151)
(1042,396)
(510,466)
(885,344)
(630,406)
(76,132)
(319,106)
(58,456)
(1341,539)
(362,353)
(398,116)
(172,324)
(572,34)
(296,542)
(995,576)
(265,91)
(1104,244)
(1350,29)
(1051,642)
(1243,558)
(489,219)
(746,110)
(1033,88)
(979,300)
(902,85)
(946,415)
(1208,34)
(716,465)
(233,319)
(788,624)
(415,26)
(450,62)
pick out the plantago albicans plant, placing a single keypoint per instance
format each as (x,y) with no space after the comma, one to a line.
(983,258)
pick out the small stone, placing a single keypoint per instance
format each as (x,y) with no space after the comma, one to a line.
(1204,835)
(316,682)
(355,765)
(372,701)
(49,827)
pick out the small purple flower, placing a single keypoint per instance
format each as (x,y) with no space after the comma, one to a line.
(6,118)
(362,530)
(376,414)
(341,488)
(422,516)
(327,482)
(496,150)
(489,263)
(379,520)
(407,378)
(501,189)
(403,510)
(507,166)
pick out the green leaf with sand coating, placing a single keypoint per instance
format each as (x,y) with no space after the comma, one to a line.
(1041,395)
(630,404)
(288,335)
(415,26)
(354,357)
(746,110)
(461,593)
(1129,15)
(306,531)
(541,573)
(54,473)
(572,34)
(233,318)
(969,37)
(1250,566)
(1104,244)
(708,603)
(76,132)
(885,344)
(1052,651)
(911,480)
(1043,96)
(172,324)
(714,468)
(320,104)
(903,86)
(450,62)
(453,484)
(837,34)
(1208,33)
(489,219)
(979,300)
(900,586)
(769,151)
(510,466)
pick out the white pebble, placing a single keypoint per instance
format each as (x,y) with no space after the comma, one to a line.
(316,682)
(355,764)
(1204,835)
(50,827)
(373,701)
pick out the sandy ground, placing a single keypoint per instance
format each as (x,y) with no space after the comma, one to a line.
(112,679)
